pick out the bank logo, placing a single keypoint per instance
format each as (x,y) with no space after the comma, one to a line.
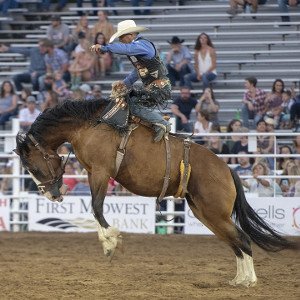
(66,224)
(296,217)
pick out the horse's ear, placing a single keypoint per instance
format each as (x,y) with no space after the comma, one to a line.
(17,152)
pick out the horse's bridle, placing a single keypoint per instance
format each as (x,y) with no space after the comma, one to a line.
(46,185)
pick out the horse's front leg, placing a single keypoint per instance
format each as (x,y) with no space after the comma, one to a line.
(110,237)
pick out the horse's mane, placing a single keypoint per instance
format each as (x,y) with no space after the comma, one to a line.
(87,110)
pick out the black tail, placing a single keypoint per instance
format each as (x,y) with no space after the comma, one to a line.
(258,230)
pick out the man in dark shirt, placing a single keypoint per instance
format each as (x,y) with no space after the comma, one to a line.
(182,107)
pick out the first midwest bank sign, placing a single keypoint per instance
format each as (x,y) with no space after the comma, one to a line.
(74,214)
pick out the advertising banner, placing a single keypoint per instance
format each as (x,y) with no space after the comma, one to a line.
(74,214)
(282,214)
(4,213)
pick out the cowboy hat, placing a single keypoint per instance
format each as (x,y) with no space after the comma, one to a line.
(127,26)
(175,40)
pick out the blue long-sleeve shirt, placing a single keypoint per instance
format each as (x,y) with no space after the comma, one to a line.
(136,47)
(37,62)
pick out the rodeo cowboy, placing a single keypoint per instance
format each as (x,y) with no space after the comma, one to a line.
(149,67)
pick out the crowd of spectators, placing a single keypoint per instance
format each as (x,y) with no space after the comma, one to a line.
(61,63)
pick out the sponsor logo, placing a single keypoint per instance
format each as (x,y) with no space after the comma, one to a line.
(296,217)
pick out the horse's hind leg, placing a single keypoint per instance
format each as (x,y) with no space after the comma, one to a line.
(110,237)
(227,231)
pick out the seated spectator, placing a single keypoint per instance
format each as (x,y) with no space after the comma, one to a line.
(86,90)
(283,8)
(233,126)
(82,67)
(96,92)
(70,182)
(273,101)
(59,86)
(254,106)
(251,4)
(284,183)
(94,4)
(208,102)
(46,87)
(56,59)
(37,65)
(182,107)
(28,114)
(241,144)
(103,25)
(51,101)
(103,60)
(6,183)
(202,125)
(78,94)
(244,168)
(295,114)
(205,62)
(24,94)
(296,148)
(264,187)
(82,188)
(135,3)
(216,145)
(288,99)
(178,61)
(5,5)
(58,33)
(281,161)
(294,190)
(80,46)
(8,102)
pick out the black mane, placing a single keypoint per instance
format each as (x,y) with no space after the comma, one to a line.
(74,109)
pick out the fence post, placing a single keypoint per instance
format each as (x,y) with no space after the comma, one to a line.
(170,215)
(15,206)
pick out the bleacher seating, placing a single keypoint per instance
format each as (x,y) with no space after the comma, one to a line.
(245,47)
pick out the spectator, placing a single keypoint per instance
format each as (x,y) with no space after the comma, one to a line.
(208,102)
(205,62)
(96,92)
(273,100)
(253,102)
(202,125)
(244,167)
(135,3)
(263,186)
(86,89)
(51,100)
(24,94)
(178,61)
(80,46)
(37,65)
(8,102)
(59,86)
(5,5)
(251,4)
(94,4)
(28,114)
(288,99)
(58,33)
(70,182)
(56,59)
(282,5)
(282,161)
(241,144)
(103,25)
(216,145)
(46,87)
(284,183)
(295,114)
(78,94)
(233,126)
(296,148)
(264,143)
(104,59)
(82,188)
(294,190)
(82,67)
(182,107)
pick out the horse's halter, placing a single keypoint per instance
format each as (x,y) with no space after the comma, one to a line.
(46,185)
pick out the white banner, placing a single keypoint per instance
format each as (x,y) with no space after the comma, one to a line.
(283,214)
(74,214)
(4,212)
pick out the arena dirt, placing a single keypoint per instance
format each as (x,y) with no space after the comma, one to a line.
(36,265)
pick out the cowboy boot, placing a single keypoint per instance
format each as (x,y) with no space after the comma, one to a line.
(161,130)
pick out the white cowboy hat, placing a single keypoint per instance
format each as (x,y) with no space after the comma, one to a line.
(127,26)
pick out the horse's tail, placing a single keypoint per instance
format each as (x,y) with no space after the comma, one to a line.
(251,223)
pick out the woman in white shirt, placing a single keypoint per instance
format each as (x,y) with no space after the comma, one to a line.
(205,62)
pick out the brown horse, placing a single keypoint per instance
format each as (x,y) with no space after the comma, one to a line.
(214,190)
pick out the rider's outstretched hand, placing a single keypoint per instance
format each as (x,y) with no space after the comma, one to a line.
(95,48)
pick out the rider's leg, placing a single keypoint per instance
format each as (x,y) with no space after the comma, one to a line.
(161,126)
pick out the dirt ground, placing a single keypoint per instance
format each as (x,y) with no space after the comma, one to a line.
(36,265)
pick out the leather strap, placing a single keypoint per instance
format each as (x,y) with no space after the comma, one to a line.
(187,146)
(168,170)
